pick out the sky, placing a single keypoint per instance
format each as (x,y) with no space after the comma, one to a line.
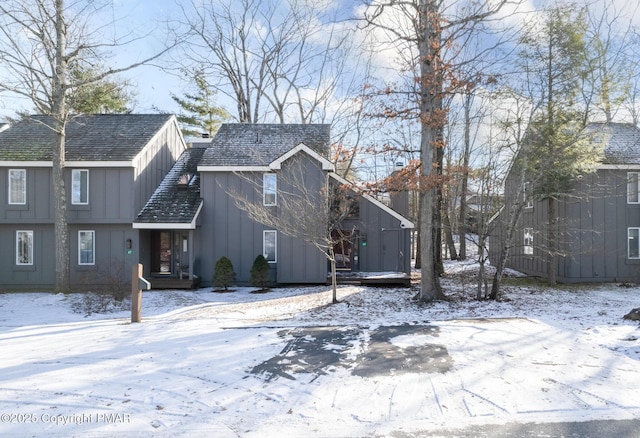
(153,87)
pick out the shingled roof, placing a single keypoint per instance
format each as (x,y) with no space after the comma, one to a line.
(98,137)
(622,142)
(177,199)
(247,145)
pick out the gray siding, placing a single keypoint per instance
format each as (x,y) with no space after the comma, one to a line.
(593,222)
(228,231)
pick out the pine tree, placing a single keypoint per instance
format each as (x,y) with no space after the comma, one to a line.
(260,272)
(201,116)
(224,274)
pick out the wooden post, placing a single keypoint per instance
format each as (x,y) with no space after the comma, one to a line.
(136,293)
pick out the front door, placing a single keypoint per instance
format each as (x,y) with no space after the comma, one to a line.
(161,253)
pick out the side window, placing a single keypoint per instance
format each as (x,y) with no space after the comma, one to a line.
(633,237)
(24,248)
(528,241)
(79,186)
(86,247)
(17,186)
(269,245)
(269,189)
(632,188)
(526,192)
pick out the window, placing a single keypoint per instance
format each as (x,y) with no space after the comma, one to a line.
(528,241)
(269,245)
(24,247)
(86,247)
(79,187)
(632,188)
(634,243)
(17,186)
(526,192)
(269,185)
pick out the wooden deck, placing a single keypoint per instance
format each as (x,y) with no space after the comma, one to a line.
(174,283)
(373,278)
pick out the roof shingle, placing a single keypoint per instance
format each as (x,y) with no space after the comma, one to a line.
(98,137)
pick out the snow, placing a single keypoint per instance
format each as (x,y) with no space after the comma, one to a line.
(286,363)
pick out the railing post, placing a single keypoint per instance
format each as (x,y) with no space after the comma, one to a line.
(136,292)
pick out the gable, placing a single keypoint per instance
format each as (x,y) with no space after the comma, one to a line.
(404,222)
(256,147)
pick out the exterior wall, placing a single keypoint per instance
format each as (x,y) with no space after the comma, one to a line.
(228,231)
(593,221)
(383,246)
(116,195)
(155,161)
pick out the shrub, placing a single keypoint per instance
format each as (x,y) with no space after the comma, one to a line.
(260,272)
(223,275)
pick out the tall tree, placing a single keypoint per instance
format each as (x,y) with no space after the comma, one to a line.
(422,30)
(555,60)
(201,116)
(39,40)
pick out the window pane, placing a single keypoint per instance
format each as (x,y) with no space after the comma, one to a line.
(528,241)
(85,248)
(269,246)
(24,248)
(269,183)
(634,248)
(632,188)
(79,186)
(17,186)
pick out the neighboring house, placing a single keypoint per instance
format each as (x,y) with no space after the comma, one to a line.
(599,238)
(137,194)
(113,165)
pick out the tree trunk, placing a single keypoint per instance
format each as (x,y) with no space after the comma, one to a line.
(462,221)
(504,251)
(448,233)
(59,113)
(430,89)
(552,241)
(334,276)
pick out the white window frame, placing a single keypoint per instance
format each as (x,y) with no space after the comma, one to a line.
(633,187)
(80,248)
(21,190)
(76,187)
(274,235)
(20,261)
(636,237)
(269,189)
(526,193)
(528,241)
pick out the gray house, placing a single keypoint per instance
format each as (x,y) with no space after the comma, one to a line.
(195,209)
(137,194)
(114,163)
(599,238)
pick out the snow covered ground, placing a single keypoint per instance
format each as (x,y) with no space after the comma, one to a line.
(195,365)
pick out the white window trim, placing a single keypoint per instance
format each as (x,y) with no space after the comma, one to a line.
(528,241)
(93,248)
(30,234)
(637,242)
(275,245)
(73,200)
(264,189)
(637,174)
(24,188)
(526,196)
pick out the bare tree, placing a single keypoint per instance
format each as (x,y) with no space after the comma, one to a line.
(39,39)
(306,211)
(283,58)
(422,30)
